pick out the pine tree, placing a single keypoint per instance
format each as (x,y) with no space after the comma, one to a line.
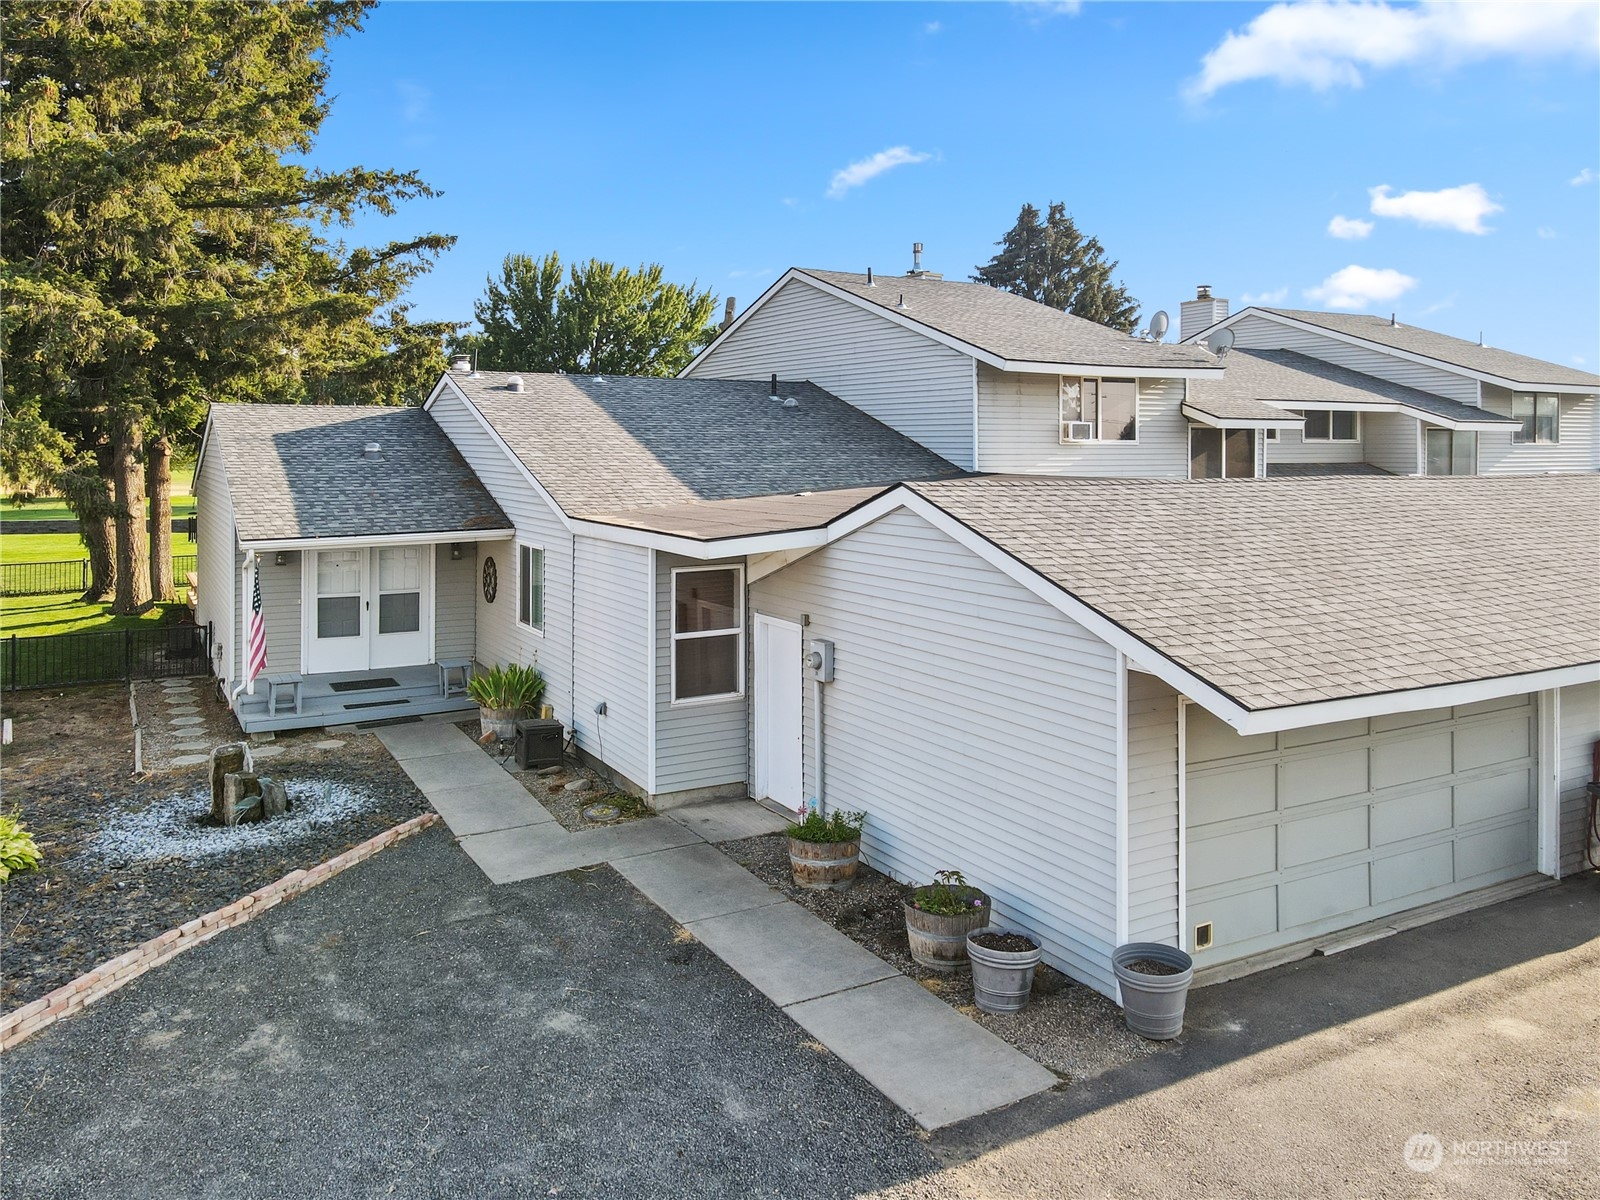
(1051,262)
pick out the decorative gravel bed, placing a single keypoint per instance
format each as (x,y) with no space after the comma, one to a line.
(1069,1028)
(549,787)
(126,859)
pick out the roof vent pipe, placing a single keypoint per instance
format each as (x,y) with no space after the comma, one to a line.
(727,312)
(869,278)
(901,303)
(515,384)
(773,390)
(916,258)
(1392,321)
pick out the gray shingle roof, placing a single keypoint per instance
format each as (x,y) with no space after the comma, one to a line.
(1295,591)
(1232,404)
(1519,368)
(1010,326)
(1290,378)
(297,471)
(711,520)
(601,445)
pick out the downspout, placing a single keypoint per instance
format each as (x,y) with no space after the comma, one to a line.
(819,803)
(243,631)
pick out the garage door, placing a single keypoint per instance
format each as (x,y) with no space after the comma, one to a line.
(1297,834)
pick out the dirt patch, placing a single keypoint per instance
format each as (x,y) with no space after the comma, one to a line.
(595,793)
(1069,1028)
(1149,966)
(1009,943)
(122,862)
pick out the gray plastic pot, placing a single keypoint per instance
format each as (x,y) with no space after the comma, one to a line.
(1001,979)
(1153,1004)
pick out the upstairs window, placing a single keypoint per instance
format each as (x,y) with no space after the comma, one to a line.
(1325,426)
(1105,410)
(1221,453)
(707,633)
(1452,452)
(1540,414)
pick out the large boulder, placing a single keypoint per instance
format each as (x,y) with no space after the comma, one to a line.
(230,758)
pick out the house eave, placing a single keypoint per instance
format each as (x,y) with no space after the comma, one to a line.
(440,537)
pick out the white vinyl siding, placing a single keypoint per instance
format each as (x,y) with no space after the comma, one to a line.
(697,745)
(1580,729)
(1393,441)
(1153,831)
(1292,447)
(973,723)
(1261,333)
(216,553)
(612,603)
(1578,449)
(454,612)
(909,382)
(499,638)
(1019,430)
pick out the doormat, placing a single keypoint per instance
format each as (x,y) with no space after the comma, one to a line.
(375,704)
(364,685)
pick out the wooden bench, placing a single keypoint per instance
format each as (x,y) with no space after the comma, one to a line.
(289,680)
(449,665)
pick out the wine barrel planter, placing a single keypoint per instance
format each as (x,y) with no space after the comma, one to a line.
(502,722)
(1153,1004)
(822,866)
(1001,979)
(940,943)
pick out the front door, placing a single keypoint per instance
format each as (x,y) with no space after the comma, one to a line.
(338,616)
(780,688)
(400,633)
(369,608)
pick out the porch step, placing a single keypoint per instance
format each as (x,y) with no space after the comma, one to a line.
(354,708)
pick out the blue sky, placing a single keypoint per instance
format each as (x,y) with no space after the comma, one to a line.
(1202,142)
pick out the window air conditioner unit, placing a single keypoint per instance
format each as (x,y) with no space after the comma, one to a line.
(1077,431)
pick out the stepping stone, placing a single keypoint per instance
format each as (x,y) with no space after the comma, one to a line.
(330,744)
(188,720)
(190,760)
(265,751)
(191,747)
(182,710)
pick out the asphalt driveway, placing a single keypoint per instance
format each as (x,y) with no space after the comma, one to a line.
(410,1029)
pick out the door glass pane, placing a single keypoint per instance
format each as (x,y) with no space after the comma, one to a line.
(1205,453)
(706,600)
(706,666)
(1241,453)
(1463,453)
(400,569)
(1344,426)
(1438,445)
(399,612)
(1119,410)
(339,572)
(338,616)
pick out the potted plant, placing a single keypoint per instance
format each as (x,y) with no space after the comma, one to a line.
(939,916)
(825,851)
(1003,963)
(503,695)
(1154,980)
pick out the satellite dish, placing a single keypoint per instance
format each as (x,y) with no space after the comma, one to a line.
(1220,342)
(1158,326)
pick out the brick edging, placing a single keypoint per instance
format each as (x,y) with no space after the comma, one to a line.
(22,1023)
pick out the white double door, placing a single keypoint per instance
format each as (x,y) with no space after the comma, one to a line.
(368,607)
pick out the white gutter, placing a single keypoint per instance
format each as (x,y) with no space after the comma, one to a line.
(387,539)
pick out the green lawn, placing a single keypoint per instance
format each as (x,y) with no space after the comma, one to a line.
(36,616)
(52,508)
(47,547)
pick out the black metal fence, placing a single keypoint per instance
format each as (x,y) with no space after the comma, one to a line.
(159,652)
(65,575)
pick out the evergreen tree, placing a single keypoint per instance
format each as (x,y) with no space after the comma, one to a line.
(1051,262)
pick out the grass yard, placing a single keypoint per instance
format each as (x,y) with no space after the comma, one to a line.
(52,508)
(37,616)
(48,547)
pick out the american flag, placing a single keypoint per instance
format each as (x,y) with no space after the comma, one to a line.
(257,659)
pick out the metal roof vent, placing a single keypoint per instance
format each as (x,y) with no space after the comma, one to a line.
(372,450)
(461,364)
(515,384)
(791,402)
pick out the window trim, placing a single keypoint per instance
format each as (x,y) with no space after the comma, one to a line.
(1330,440)
(1255,451)
(544,575)
(1097,440)
(1516,434)
(736,630)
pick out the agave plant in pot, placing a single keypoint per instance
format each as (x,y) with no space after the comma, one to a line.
(503,695)
(825,851)
(939,916)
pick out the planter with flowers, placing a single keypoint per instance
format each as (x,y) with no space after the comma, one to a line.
(825,851)
(939,916)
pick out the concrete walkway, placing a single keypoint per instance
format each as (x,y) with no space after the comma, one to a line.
(919,1052)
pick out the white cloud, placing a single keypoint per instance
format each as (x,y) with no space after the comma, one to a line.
(790,202)
(1461,208)
(931,28)
(1352,228)
(1547,233)
(858,173)
(1584,176)
(1358,287)
(1041,10)
(1276,296)
(1323,44)
(1439,305)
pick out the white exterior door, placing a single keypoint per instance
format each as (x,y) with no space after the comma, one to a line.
(402,621)
(780,687)
(337,611)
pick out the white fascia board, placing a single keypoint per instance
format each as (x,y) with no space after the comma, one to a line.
(1106,371)
(1289,421)
(262,545)
(200,455)
(731,547)
(1489,424)
(494,436)
(1338,335)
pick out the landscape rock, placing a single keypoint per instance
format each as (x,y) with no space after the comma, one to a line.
(228,758)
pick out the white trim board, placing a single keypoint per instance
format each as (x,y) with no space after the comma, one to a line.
(463,536)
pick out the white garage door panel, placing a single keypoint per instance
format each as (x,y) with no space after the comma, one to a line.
(1299,835)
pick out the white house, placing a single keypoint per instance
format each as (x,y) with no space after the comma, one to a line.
(961,579)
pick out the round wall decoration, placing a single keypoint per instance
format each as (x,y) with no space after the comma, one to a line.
(491,580)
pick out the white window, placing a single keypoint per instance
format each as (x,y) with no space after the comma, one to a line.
(530,587)
(1105,410)
(1221,453)
(1540,414)
(707,632)
(1325,426)
(1452,452)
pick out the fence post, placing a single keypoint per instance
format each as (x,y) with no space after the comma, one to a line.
(127,654)
(14,662)
(83,574)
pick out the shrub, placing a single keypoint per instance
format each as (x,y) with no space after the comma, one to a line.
(17,849)
(510,686)
(841,826)
(949,895)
